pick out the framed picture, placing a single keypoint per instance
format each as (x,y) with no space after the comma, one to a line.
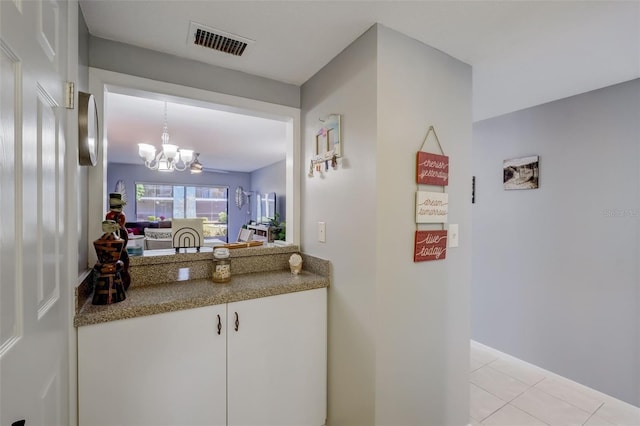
(521,173)
(329,138)
(245,235)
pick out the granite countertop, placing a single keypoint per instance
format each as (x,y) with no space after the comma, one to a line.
(173,296)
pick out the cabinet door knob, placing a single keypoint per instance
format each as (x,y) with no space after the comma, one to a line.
(237,321)
(219,324)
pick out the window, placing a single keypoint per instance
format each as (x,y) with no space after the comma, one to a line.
(166,201)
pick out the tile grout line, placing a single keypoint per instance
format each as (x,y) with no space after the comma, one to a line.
(535,417)
(495,411)
(550,374)
(568,402)
(599,398)
(593,414)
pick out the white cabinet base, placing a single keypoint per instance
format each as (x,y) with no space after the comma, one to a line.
(175,369)
(277,360)
(166,369)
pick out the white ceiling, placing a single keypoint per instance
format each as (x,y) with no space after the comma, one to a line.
(523,53)
(226,141)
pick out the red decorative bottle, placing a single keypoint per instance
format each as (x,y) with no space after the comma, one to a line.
(115,213)
(107,281)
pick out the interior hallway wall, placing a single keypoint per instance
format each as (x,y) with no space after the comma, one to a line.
(423,308)
(555,269)
(398,331)
(345,200)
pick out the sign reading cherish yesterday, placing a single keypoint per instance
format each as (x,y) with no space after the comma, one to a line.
(432,169)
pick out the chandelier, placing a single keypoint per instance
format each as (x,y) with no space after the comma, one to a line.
(170,157)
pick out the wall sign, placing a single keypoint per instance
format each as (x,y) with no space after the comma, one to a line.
(328,145)
(430,245)
(432,169)
(432,207)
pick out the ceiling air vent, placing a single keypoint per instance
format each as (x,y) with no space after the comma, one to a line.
(214,39)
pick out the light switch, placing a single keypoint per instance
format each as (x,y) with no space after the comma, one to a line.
(453,235)
(322,232)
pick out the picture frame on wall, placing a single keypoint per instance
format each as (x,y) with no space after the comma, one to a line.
(521,173)
(329,137)
(245,235)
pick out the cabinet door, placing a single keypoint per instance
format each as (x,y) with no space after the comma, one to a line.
(165,369)
(277,360)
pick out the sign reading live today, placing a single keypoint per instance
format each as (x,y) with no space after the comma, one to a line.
(430,245)
(432,169)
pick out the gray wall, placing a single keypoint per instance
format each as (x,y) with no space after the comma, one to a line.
(131,173)
(345,200)
(555,269)
(422,315)
(271,178)
(132,60)
(398,331)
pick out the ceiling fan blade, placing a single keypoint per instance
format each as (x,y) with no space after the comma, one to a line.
(206,169)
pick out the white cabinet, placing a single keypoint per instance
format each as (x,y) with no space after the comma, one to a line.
(276,360)
(167,369)
(175,369)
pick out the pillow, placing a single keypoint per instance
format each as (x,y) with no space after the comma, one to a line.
(156,233)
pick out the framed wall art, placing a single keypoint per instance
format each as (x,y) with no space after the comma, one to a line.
(329,137)
(521,173)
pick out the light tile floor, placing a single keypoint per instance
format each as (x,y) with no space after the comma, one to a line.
(508,392)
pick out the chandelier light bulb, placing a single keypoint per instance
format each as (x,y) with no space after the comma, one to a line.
(170,157)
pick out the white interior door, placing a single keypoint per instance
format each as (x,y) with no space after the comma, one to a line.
(34,291)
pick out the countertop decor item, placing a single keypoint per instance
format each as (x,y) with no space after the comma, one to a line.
(187,233)
(117,201)
(88,134)
(295,263)
(221,265)
(108,285)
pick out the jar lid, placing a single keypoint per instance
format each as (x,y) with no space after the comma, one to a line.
(221,253)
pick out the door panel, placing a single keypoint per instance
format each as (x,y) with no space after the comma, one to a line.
(34,288)
(9,280)
(48,247)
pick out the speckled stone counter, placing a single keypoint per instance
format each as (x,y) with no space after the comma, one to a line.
(256,273)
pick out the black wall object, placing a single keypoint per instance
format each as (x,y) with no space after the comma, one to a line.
(473,190)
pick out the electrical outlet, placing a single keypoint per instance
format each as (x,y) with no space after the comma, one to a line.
(322,232)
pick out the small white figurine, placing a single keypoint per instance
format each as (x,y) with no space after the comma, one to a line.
(295,263)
